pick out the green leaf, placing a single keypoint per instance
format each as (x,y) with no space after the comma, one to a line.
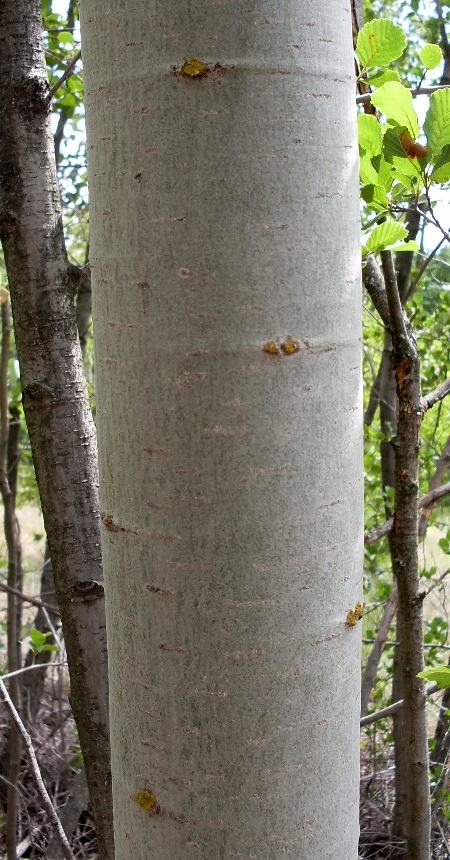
(403,181)
(437,122)
(383,77)
(376,196)
(367,173)
(430,56)
(379,43)
(407,246)
(441,170)
(384,236)
(394,100)
(440,676)
(38,641)
(369,133)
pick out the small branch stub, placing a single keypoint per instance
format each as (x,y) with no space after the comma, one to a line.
(193,68)
(355,615)
(284,347)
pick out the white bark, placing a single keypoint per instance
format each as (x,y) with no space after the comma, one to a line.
(224,215)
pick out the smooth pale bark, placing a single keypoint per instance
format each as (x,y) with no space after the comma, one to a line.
(43,285)
(224,215)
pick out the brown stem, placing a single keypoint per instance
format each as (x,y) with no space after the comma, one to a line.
(406,570)
(14,745)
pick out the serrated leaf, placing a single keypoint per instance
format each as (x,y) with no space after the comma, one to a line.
(379,43)
(394,100)
(376,196)
(367,172)
(384,235)
(430,56)
(402,181)
(437,122)
(383,77)
(441,170)
(369,134)
(391,144)
(406,246)
(440,676)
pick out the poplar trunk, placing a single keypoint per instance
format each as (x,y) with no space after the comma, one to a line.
(226,288)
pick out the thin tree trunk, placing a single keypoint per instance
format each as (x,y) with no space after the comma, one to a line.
(62,435)
(406,571)
(13,633)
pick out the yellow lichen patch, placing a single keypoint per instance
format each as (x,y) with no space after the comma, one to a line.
(355,615)
(193,68)
(145,799)
(289,346)
(272,347)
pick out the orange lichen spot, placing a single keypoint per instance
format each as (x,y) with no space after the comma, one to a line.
(412,148)
(193,68)
(290,345)
(355,615)
(272,347)
(147,800)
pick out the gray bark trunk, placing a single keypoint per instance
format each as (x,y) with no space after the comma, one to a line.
(224,215)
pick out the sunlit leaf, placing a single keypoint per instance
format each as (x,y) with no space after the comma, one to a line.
(384,236)
(369,134)
(441,170)
(376,196)
(437,122)
(383,77)
(394,100)
(440,676)
(379,43)
(431,56)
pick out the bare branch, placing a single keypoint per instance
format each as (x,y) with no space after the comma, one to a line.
(435,396)
(418,91)
(375,286)
(67,74)
(45,797)
(386,527)
(26,599)
(396,314)
(392,709)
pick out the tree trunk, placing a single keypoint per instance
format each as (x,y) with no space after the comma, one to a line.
(225,265)
(62,435)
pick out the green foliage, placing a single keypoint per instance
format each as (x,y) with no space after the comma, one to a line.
(430,56)
(379,43)
(394,163)
(440,676)
(39,641)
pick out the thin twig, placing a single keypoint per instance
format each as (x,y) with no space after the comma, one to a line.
(34,666)
(392,709)
(386,527)
(422,269)
(63,77)
(27,599)
(435,396)
(45,797)
(418,91)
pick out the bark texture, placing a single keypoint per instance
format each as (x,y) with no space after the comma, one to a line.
(404,552)
(62,435)
(226,292)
